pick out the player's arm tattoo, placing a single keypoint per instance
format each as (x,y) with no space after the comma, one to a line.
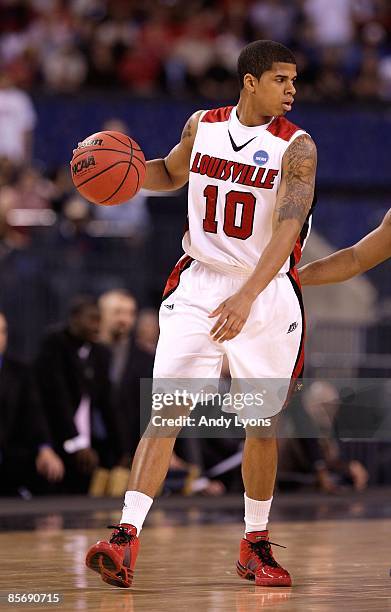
(186,132)
(299,167)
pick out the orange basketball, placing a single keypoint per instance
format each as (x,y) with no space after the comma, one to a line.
(108,168)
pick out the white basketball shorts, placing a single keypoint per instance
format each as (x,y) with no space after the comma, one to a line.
(269,347)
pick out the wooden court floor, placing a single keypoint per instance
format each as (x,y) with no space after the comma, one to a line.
(333,563)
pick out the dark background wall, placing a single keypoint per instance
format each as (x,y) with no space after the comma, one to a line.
(354,142)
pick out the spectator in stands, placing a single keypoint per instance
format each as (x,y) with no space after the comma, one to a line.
(73,377)
(187,47)
(129,361)
(17,122)
(27,458)
(118,310)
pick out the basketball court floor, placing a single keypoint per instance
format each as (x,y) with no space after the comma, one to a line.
(338,551)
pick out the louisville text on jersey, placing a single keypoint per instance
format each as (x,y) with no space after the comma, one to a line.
(242,174)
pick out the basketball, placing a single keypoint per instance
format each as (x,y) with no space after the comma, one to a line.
(108,168)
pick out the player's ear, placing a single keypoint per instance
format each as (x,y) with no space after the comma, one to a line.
(249,82)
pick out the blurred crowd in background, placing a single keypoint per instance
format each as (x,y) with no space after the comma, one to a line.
(178,47)
(71,419)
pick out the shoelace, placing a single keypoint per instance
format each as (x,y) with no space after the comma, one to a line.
(264,553)
(121,536)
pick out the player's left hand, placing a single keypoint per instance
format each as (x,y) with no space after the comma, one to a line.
(233,314)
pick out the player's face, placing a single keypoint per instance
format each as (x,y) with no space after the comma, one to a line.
(275,89)
(3,334)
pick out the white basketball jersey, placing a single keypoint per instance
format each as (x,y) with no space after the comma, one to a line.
(235,173)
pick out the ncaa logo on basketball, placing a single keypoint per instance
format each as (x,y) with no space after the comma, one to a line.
(261,157)
(83,164)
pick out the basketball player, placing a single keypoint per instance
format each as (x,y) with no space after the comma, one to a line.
(372,250)
(235,291)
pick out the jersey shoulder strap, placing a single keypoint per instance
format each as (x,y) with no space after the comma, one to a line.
(284,129)
(216,115)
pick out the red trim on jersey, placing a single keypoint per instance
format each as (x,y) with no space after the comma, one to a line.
(217,115)
(282,128)
(174,278)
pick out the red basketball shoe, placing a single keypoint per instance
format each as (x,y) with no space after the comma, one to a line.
(256,561)
(115,560)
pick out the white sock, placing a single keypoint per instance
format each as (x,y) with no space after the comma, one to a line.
(256,513)
(136,508)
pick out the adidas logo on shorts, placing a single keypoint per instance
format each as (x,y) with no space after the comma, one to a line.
(292,327)
(169,306)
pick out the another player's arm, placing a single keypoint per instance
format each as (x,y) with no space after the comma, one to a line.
(172,172)
(342,265)
(294,200)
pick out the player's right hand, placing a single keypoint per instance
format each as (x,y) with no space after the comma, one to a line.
(233,315)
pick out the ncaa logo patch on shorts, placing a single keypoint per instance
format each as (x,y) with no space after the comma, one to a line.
(261,158)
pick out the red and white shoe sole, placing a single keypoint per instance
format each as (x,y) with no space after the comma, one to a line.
(109,571)
(247,574)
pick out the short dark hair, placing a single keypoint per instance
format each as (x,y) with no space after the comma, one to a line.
(258,56)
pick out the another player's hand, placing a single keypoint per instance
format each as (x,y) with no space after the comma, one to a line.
(49,465)
(233,314)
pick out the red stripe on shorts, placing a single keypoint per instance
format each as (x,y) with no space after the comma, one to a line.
(298,368)
(174,278)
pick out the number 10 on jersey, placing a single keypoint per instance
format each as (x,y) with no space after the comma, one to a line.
(239,210)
